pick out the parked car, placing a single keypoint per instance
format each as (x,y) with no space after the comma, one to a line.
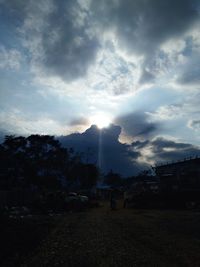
(76,201)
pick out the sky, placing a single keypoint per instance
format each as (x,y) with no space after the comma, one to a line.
(132,66)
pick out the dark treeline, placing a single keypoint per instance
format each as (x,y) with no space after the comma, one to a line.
(114,179)
(39,161)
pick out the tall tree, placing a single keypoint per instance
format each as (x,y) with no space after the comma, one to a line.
(40,160)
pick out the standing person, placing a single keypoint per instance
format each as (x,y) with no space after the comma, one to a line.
(113,202)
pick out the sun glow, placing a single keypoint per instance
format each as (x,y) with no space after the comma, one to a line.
(101,120)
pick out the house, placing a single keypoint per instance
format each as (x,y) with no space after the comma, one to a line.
(182,175)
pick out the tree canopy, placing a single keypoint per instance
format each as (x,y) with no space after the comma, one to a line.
(40,160)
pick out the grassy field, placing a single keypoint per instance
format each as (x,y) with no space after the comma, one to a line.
(125,237)
(21,236)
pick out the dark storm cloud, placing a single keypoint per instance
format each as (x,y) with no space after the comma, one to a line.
(125,158)
(137,125)
(65,36)
(142,25)
(57,34)
(104,144)
(163,150)
(68,48)
(160,143)
(140,144)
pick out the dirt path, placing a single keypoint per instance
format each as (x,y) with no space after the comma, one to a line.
(101,237)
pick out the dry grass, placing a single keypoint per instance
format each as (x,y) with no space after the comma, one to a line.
(101,237)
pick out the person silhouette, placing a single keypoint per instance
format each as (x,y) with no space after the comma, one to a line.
(113,202)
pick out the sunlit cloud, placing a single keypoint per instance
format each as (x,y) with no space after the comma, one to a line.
(101,119)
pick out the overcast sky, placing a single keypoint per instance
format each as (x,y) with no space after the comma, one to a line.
(65,65)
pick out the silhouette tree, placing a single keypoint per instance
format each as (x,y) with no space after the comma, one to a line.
(41,161)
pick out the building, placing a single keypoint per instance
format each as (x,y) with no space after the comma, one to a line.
(184,175)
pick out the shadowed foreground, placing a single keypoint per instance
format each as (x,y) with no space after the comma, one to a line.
(101,237)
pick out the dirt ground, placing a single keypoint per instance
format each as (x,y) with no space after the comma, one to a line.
(125,237)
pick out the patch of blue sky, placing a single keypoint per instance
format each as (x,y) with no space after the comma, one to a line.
(9,24)
(17,91)
(149,100)
(178,129)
